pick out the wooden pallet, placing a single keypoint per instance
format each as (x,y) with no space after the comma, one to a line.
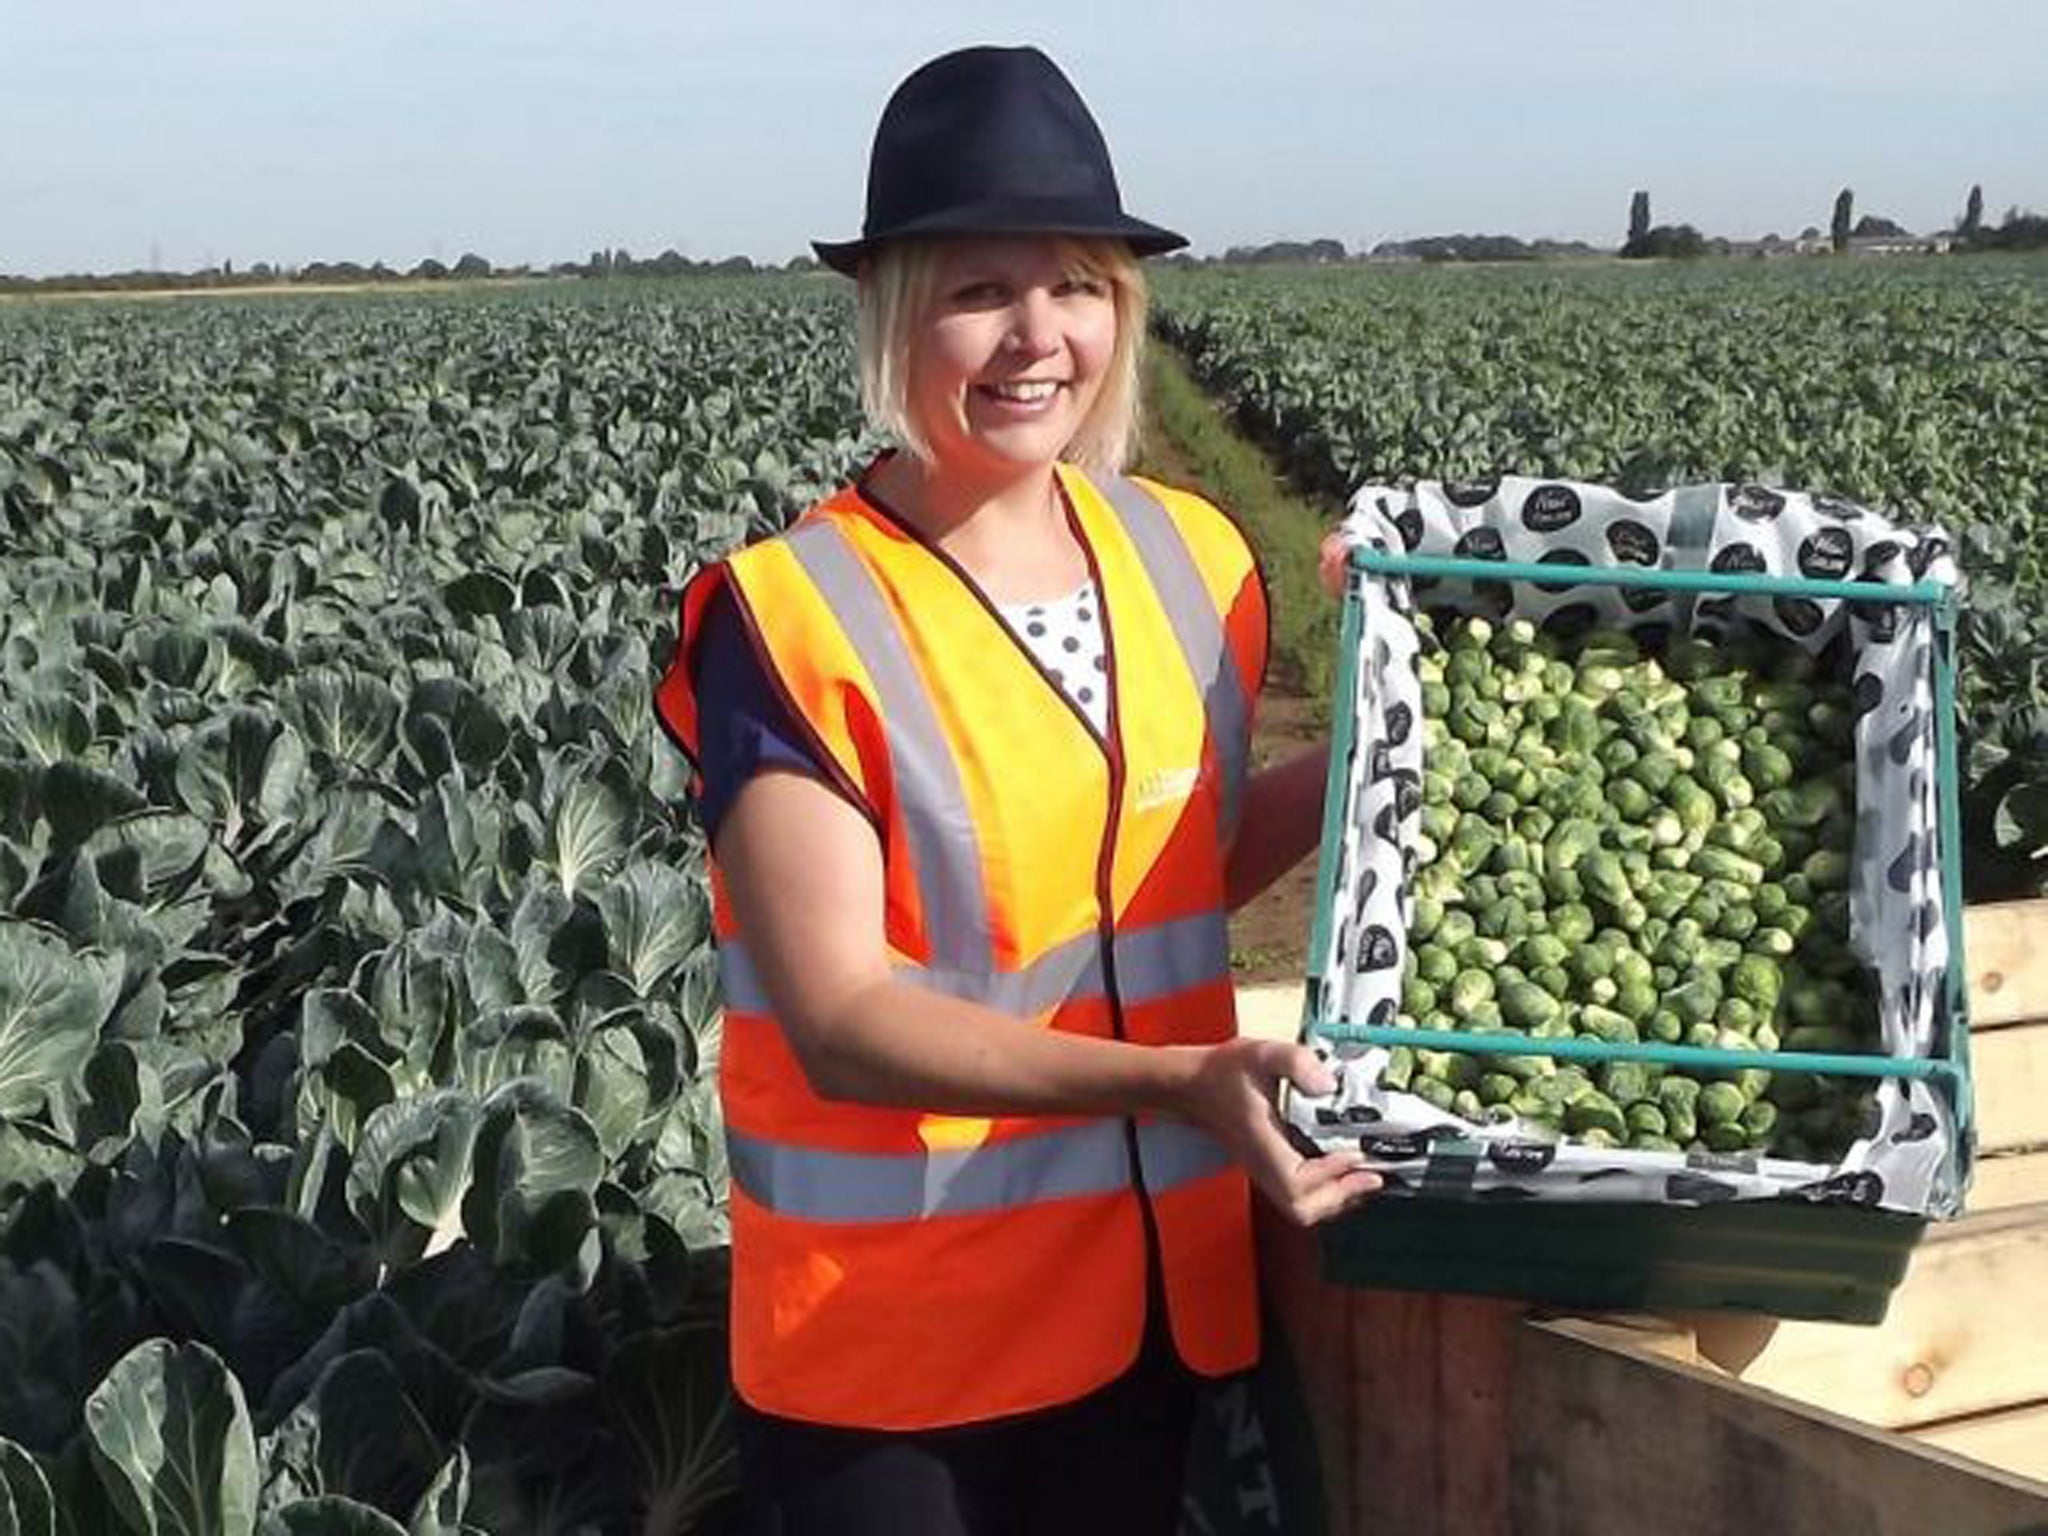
(1463,1416)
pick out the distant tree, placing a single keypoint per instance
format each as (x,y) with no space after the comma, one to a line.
(472,265)
(1638,217)
(1845,211)
(1973,214)
(1870,226)
(1811,232)
(1670,240)
(430,271)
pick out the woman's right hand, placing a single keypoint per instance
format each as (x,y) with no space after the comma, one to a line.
(1232,1093)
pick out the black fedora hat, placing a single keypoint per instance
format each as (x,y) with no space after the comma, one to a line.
(991,141)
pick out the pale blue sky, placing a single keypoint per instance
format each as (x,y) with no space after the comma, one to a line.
(531,132)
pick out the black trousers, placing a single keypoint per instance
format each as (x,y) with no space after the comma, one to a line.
(1112,1462)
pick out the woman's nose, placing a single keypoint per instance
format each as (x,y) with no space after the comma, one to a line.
(1034,328)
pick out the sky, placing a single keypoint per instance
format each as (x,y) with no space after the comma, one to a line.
(135,133)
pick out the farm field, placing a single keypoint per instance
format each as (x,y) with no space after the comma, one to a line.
(349,905)
(357,1016)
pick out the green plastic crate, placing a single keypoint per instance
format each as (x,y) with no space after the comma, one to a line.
(1789,1257)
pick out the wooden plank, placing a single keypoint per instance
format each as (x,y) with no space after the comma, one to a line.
(2006,946)
(1963,1334)
(2015,1440)
(2009,1179)
(1613,1439)
(2009,1076)
(1316,1327)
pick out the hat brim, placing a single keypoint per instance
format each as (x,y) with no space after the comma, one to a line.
(845,256)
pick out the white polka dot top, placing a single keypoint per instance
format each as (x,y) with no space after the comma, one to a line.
(1065,635)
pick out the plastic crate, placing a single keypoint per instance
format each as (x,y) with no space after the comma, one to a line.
(1786,1257)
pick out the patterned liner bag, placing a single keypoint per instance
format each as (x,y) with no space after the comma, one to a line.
(1897,922)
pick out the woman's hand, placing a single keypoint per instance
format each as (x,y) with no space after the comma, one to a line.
(1330,562)
(1231,1094)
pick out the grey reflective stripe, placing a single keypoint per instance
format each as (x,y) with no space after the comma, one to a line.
(813,1185)
(1198,627)
(1166,958)
(1173,1154)
(936,818)
(1151,963)
(1092,1159)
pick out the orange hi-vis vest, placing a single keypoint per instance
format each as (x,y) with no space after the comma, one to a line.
(894,1269)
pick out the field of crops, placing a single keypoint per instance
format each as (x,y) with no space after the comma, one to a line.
(348,903)
(1918,387)
(358,1165)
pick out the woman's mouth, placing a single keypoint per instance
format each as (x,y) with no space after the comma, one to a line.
(1022,392)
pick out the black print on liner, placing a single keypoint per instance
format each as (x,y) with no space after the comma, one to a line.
(1754,504)
(1562,557)
(1643,599)
(1470,493)
(1837,508)
(1572,620)
(1826,555)
(1376,949)
(1521,1156)
(1697,1189)
(1407,795)
(1633,543)
(1551,508)
(1739,560)
(1925,553)
(1801,615)
(1480,544)
(1410,524)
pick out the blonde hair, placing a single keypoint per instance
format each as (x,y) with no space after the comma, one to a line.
(896,291)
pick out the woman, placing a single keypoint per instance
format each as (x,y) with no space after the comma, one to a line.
(972,738)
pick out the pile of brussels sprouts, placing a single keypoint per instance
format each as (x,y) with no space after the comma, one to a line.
(1625,847)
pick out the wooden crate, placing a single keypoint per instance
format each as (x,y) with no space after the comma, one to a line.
(1465,1416)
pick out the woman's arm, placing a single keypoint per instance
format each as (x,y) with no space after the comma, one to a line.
(1280,825)
(804,873)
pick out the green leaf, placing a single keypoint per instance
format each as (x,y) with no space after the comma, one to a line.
(241,768)
(471,733)
(26,1508)
(330,1515)
(173,1444)
(351,717)
(479,593)
(530,1205)
(48,728)
(411,1168)
(52,1004)
(149,856)
(655,918)
(587,835)
(669,1396)
(299,1260)
(373,1444)
(2021,821)
(440,1509)
(78,800)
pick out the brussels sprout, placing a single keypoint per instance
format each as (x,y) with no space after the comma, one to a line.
(1720,1103)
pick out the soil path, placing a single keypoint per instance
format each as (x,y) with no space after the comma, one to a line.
(1269,937)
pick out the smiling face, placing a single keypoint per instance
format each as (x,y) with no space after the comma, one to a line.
(1009,354)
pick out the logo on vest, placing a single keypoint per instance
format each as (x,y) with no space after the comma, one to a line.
(1166,786)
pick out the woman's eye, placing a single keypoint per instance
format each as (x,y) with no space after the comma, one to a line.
(1086,287)
(978,293)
